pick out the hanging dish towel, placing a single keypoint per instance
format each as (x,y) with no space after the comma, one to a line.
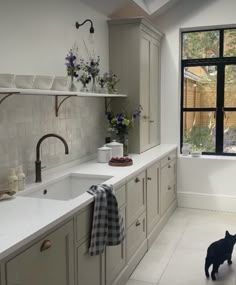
(108,227)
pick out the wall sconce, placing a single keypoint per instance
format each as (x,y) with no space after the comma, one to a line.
(91,30)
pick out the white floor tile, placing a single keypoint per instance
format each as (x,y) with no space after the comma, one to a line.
(177,256)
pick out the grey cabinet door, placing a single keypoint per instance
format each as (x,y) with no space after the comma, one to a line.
(90,269)
(49,261)
(136,197)
(115,258)
(153,200)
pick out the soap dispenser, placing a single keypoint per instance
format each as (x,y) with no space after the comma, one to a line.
(21,178)
(12,180)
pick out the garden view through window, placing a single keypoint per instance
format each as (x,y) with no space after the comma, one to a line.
(208,99)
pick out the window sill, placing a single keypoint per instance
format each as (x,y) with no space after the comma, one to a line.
(208,157)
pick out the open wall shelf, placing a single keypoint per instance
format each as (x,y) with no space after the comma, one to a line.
(66,94)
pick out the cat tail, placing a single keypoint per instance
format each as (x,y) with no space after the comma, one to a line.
(207,265)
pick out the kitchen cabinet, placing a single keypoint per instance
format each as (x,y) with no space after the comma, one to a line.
(49,261)
(136,213)
(90,269)
(84,263)
(153,196)
(136,197)
(168,181)
(116,255)
(135,59)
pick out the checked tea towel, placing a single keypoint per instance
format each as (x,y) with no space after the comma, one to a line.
(108,227)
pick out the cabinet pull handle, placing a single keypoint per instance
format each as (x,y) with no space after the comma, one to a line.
(45,245)
(169,166)
(138,223)
(149,178)
(151,121)
(137,180)
(169,188)
(169,158)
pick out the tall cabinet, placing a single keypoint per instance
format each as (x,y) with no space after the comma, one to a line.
(134,50)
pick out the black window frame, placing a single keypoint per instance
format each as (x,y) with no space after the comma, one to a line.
(220,62)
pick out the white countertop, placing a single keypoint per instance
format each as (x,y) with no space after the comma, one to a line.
(23,218)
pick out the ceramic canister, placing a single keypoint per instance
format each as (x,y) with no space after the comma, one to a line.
(104,154)
(117,148)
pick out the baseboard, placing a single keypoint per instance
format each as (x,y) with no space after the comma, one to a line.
(206,202)
(158,228)
(123,277)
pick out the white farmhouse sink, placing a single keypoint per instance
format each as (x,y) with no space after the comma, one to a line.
(67,188)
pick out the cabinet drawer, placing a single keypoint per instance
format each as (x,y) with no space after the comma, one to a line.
(168,186)
(172,155)
(136,197)
(120,196)
(136,234)
(83,223)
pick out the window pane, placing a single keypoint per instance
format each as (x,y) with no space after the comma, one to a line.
(200,44)
(199,130)
(230,132)
(230,86)
(230,42)
(200,86)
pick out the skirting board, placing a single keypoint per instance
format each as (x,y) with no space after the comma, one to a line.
(206,202)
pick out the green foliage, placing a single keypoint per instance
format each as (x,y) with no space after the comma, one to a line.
(200,138)
(200,44)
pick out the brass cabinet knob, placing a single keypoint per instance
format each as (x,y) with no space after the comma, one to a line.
(149,178)
(151,121)
(136,180)
(138,223)
(169,166)
(169,158)
(169,188)
(45,245)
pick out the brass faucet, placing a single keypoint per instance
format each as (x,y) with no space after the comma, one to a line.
(38,168)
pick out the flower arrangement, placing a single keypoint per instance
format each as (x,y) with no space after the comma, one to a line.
(72,66)
(111,80)
(120,123)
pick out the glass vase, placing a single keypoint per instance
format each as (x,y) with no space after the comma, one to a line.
(94,87)
(72,86)
(84,88)
(123,138)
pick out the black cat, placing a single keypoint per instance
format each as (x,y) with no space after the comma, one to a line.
(218,252)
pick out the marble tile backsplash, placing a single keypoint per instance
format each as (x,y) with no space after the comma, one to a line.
(25,119)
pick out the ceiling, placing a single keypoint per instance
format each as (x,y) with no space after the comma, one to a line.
(147,7)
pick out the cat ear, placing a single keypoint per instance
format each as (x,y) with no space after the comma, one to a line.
(227,234)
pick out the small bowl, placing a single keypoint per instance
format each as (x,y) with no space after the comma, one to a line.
(60,83)
(196,153)
(43,82)
(7,80)
(24,81)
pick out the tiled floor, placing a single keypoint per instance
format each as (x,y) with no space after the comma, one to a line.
(177,257)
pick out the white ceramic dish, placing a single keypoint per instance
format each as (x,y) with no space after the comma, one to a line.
(60,83)
(196,153)
(43,82)
(7,80)
(24,81)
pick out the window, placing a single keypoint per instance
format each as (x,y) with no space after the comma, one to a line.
(208,99)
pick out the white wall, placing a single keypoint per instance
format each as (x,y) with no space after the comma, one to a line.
(201,176)
(35,37)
